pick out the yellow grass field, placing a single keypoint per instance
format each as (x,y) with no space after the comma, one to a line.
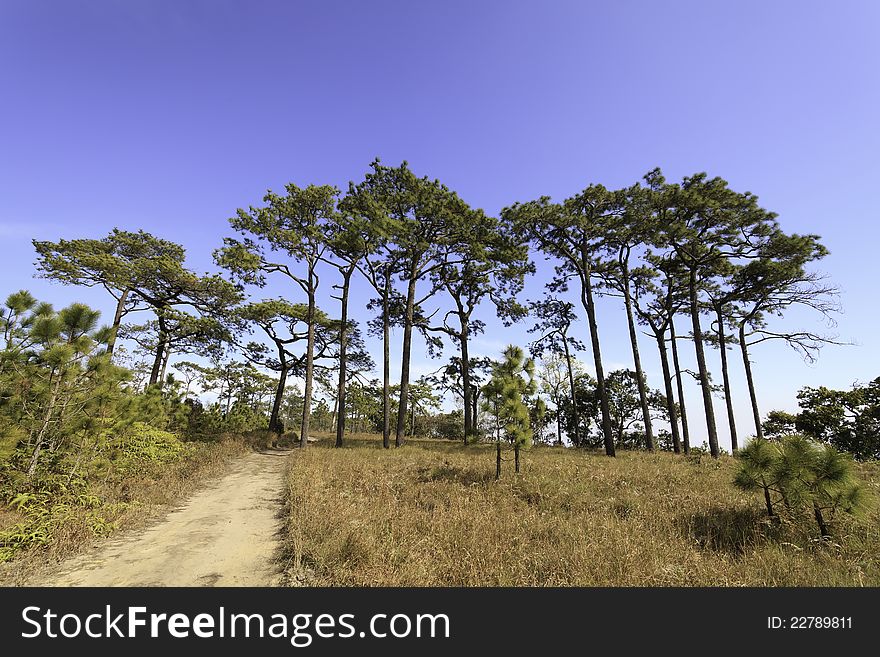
(431,514)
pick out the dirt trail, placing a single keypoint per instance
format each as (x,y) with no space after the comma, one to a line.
(224,535)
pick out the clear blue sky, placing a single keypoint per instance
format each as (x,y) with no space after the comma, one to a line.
(168,116)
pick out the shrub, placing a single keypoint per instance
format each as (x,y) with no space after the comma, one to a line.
(143,443)
(799,477)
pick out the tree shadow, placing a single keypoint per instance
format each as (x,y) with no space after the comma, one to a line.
(727,530)
(454,474)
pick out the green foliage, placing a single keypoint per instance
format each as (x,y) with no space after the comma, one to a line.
(778,424)
(446,425)
(847,419)
(506,396)
(579,419)
(626,411)
(322,416)
(70,418)
(143,272)
(59,386)
(142,443)
(61,492)
(539,418)
(43,519)
(801,477)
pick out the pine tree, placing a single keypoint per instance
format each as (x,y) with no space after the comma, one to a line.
(293,224)
(513,380)
(808,479)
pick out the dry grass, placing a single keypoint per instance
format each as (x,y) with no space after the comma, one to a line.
(430,514)
(126,504)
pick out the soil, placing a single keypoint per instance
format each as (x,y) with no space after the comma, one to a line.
(226,534)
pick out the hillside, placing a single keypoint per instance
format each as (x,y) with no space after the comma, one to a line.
(431,514)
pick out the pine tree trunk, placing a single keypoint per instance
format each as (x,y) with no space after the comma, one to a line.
(466,379)
(637,361)
(685,434)
(475,398)
(343,362)
(497,460)
(590,307)
(558,419)
(701,367)
(767,500)
(722,344)
(310,367)
(165,359)
(274,421)
(670,395)
(386,362)
(160,350)
(756,413)
(404,367)
(516,457)
(117,321)
(576,439)
(820,520)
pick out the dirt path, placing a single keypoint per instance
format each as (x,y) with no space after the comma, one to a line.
(224,535)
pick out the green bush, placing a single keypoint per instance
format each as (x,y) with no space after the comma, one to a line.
(141,444)
(799,477)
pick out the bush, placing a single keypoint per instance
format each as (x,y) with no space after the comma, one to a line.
(446,425)
(60,493)
(799,478)
(143,443)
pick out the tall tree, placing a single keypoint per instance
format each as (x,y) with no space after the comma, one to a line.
(773,282)
(718,302)
(113,263)
(294,225)
(572,232)
(656,304)
(368,202)
(706,224)
(555,318)
(486,263)
(285,325)
(624,234)
(348,241)
(141,272)
(424,218)
(685,432)
(358,362)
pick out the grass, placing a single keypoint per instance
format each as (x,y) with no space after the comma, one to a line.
(431,514)
(125,502)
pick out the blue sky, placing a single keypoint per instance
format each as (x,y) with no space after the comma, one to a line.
(168,116)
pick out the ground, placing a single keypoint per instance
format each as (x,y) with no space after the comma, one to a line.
(226,534)
(431,514)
